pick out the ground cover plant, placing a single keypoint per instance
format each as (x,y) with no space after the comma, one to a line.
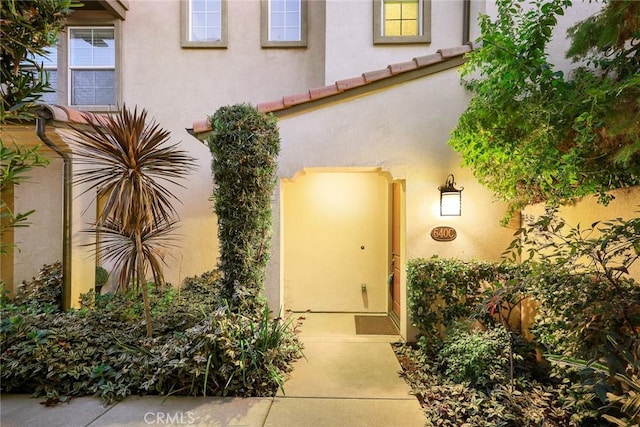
(201,347)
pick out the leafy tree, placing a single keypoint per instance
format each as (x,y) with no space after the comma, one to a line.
(532,133)
(128,159)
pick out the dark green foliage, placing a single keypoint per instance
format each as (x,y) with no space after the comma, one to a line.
(588,314)
(532,134)
(102,276)
(589,305)
(104,350)
(581,280)
(245,146)
(578,311)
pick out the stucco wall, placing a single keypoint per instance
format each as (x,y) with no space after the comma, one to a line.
(41,242)
(402,130)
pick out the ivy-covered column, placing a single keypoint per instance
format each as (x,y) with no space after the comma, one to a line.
(245,146)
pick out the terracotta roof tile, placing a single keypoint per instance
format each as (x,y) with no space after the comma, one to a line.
(73,115)
(402,67)
(65,114)
(455,51)
(345,85)
(58,114)
(372,76)
(423,61)
(202,126)
(322,92)
(266,107)
(350,83)
(296,99)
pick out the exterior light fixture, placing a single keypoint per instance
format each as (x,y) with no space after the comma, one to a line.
(450,198)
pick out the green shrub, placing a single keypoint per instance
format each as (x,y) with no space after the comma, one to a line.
(589,305)
(245,146)
(102,276)
(578,311)
(440,292)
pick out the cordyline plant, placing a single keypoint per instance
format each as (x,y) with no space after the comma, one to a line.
(128,159)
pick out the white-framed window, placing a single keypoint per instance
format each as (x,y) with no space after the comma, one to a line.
(284,23)
(401,21)
(204,23)
(92,66)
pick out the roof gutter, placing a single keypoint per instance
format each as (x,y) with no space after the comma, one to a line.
(41,125)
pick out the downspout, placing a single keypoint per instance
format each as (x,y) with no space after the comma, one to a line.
(41,125)
(466,21)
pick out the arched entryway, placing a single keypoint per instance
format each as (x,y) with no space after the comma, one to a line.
(337,241)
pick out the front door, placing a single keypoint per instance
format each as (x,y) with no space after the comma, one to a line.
(336,241)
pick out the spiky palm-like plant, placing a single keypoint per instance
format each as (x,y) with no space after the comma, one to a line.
(129,160)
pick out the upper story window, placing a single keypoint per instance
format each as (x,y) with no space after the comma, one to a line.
(284,23)
(204,23)
(401,21)
(92,66)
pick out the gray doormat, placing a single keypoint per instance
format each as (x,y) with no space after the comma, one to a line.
(375,325)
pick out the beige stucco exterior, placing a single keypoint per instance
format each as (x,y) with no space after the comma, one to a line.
(356,147)
(586,212)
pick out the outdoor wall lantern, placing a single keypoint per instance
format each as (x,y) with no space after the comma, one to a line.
(450,198)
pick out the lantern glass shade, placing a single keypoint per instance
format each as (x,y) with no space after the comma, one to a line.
(450,198)
(450,204)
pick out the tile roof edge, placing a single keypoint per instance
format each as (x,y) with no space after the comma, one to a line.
(344,85)
(65,114)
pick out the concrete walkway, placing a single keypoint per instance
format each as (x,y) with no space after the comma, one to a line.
(344,380)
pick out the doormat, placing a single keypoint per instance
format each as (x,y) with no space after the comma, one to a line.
(375,325)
